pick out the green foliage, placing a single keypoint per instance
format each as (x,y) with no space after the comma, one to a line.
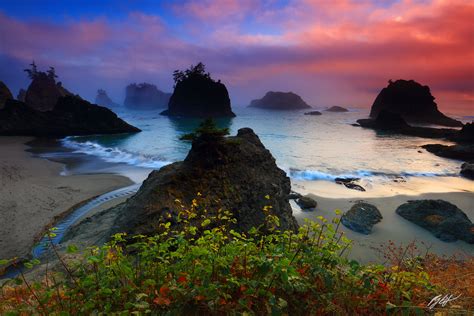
(193,71)
(208,128)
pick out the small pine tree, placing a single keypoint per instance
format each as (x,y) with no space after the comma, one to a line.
(209,128)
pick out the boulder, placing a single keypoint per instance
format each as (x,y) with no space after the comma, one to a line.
(361,217)
(145,96)
(294,195)
(306,203)
(236,173)
(467,170)
(44,92)
(103,99)
(313,113)
(276,100)
(5,94)
(336,109)
(413,102)
(349,183)
(443,219)
(465,135)
(71,116)
(21,95)
(463,152)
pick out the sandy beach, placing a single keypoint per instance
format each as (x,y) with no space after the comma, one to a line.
(33,194)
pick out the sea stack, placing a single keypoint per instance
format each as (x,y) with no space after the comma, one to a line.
(413,102)
(5,94)
(103,99)
(336,109)
(196,94)
(145,96)
(276,100)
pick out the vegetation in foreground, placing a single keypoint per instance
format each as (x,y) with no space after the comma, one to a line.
(200,266)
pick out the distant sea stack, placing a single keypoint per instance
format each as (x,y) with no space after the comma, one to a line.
(5,94)
(196,94)
(145,96)
(336,109)
(413,102)
(103,99)
(276,100)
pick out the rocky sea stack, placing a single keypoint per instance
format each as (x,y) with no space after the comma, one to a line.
(413,102)
(280,101)
(103,99)
(196,94)
(445,220)
(5,94)
(336,109)
(145,96)
(236,173)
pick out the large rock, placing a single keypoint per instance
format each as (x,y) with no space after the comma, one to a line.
(232,173)
(413,102)
(313,113)
(5,94)
(71,116)
(44,92)
(276,100)
(103,99)
(461,151)
(465,135)
(336,109)
(307,203)
(467,170)
(361,217)
(445,220)
(145,96)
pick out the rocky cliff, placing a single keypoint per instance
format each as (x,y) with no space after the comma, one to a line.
(280,101)
(44,92)
(413,102)
(145,96)
(103,99)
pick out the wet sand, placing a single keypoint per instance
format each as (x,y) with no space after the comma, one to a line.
(33,194)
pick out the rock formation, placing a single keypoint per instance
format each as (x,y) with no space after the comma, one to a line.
(463,152)
(350,183)
(280,101)
(336,109)
(5,94)
(361,217)
(306,203)
(445,220)
(70,116)
(196,94)
(465,135)
(103,99)
(145,96)
(21,95)
(44,92)
(313,113)
(467,170)
(412,101)
(237,174)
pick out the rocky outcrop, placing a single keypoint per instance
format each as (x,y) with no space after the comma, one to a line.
(413,102)
(306,203)
(467,170)
(5,94)
(233,173)
(103,99)
(465,135)
(44,92)
(350,183)
(361,217)
(70,116)
(336,109)
(445,220)
(145,96)
(461,151)
(313,113)
(276,100)
(21,95)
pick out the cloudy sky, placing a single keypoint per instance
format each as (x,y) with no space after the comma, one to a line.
(331,52)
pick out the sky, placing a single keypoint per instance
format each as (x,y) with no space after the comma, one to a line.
(330,52)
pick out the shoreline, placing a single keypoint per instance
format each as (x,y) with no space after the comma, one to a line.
(34,195)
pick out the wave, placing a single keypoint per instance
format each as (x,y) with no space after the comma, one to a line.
(114,154)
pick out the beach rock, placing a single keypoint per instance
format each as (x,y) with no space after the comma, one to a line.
(306,202)
(313,113)
(349,183)
(276,100)
(443,219)
(103,99)
(294,195)
(145,96)
(44,92)
(236,173)
(5,94)
(467,170)
(71,116)
(465,135)
(463,152)
(21,95)
(361,217)
(413,102)
(336,109)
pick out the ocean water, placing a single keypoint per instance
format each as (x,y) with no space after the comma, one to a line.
(308,148)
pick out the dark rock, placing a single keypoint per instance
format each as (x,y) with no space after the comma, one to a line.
(44,92)
(313,113)
(355,125)
(5,94)
(361,217)
(349,183)
(413,102)
(103,99)
(70,116)
(336,109)
(461,151)
(276,100)
(305,202)
(445,220)
(467,170)
(232,173)
(145,96)
(294,195)
(21,95)
(465,135)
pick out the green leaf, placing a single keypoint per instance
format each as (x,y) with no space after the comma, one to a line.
(71,249)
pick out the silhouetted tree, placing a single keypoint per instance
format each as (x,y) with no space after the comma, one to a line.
(193,71)
(52,73)
(33,71)
(207,127)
